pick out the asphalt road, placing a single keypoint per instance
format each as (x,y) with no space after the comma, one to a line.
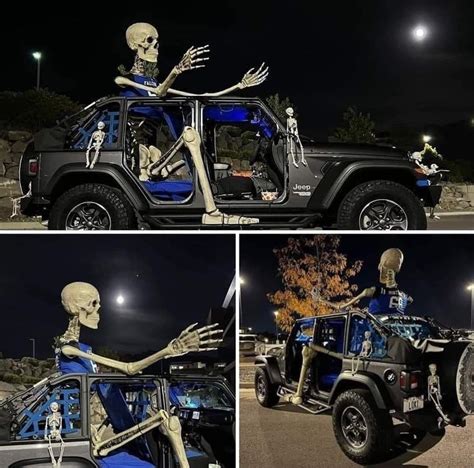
(287,436)
(452,223)
(446,223)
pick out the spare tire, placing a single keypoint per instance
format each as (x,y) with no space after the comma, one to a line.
(465,380)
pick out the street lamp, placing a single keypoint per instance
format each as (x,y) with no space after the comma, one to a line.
(275,313)
(471,288)
(420,33)
(37,56)
(427,138)
(33,342)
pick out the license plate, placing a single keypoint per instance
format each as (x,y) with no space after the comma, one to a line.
(413,404)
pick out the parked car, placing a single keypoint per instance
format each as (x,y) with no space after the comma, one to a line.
(364,393)
(246,154)
(204,405)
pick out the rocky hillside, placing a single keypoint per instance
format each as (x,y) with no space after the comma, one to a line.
(15,374)
(12,145)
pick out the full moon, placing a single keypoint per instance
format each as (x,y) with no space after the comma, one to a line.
(120,299)
(420,33)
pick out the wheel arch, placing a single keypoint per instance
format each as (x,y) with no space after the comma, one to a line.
(341,182)
(69,177)
(360,381)
(270,365)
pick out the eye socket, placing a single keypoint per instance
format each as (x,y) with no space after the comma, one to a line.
(150,39)
(94,303)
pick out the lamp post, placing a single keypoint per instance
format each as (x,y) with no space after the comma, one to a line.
(275,313)
(33,343)
(37,56)
(241,282)
(471,288)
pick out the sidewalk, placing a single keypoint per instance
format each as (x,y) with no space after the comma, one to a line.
(22,226)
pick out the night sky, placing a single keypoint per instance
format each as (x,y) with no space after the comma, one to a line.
(168,282)
(324,55)
(436,272)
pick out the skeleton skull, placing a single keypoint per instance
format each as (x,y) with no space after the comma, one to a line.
(82,300)
(391,260)
(101,125)
(290,112)
(143,38)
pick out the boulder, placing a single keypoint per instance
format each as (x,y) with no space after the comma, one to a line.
(11,171)
(19,146)
(4,145)
(19,136)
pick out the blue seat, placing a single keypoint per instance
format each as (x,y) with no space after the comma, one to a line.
(123,460)
(328,380)
(170,190)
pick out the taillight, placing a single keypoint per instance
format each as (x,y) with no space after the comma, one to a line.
(33,167)
(410,380)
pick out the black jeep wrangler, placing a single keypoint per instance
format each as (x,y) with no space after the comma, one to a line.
(205,406)
(365,393)
(246,153)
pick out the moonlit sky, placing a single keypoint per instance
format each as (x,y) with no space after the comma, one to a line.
(324,55)
(168,282)
(436,272)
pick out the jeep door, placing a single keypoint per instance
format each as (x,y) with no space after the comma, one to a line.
(331,336)
(301,335)
(28,447)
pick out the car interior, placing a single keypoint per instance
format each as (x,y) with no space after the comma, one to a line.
(241,151)
(330,336)
(301,335)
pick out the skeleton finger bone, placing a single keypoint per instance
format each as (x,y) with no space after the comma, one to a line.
(207,327)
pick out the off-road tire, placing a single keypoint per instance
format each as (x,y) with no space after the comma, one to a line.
(121,213)
(379,424)
(360,196)
(269,397)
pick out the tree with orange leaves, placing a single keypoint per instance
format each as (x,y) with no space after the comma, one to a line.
(313,273)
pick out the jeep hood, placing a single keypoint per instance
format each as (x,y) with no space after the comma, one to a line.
(353,151)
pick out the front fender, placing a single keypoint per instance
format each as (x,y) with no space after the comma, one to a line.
(270,364)
(346,381)
(342,172)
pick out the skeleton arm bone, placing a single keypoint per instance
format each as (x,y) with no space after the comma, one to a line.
(249,80)
(369,292)
(202,339)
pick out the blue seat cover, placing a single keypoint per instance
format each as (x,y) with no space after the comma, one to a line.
(328,380)
(123,460)
(170,190)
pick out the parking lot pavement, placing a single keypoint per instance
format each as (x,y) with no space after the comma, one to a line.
(452,223)
(287,436)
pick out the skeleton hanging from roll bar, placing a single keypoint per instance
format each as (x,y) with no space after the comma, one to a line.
(52,433)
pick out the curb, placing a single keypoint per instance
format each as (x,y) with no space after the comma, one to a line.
(453,213)
(248,385)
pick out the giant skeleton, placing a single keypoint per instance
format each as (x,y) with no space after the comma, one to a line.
(143,38)
(384,300)
(82,302)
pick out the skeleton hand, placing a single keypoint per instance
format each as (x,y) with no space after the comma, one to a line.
(252,78)
(202,339)
(191,59)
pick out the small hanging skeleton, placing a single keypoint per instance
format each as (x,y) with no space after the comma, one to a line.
(16,202)
(95,143)
(52,433)
(294,140)
(434,393)
(365,352)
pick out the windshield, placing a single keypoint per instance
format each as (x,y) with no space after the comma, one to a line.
(194,395)
(414,328)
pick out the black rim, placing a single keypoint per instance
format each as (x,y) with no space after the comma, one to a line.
(261,387)
(354,427)
(88,216)
(383,215)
